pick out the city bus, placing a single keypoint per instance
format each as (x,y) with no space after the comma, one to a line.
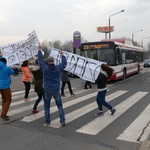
(125,58)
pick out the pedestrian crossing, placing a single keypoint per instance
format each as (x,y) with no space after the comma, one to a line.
(94,127)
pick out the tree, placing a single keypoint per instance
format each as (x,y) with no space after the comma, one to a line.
(68,46)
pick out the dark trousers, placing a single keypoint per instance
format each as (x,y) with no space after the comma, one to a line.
(27,89)
(63,86)
(87,83)
(6,101)
(38,100)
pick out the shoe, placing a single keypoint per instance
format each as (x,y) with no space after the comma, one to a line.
(35,111)
(5,118)
(85,88)
(100,113)
(26,99)
(113,111)
(46,125)
(63,123)
(72,94)
(63,95)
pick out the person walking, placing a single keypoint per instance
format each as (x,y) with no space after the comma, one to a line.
(105,74)
(65,79)
(26,78)
(51,84)
(87,83)
(16,71)
(38,81)
(5,91)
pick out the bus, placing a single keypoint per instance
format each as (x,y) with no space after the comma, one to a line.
(125,58)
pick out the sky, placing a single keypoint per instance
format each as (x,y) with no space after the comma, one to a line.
(59,19)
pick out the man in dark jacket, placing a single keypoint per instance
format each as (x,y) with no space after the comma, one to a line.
(51,84)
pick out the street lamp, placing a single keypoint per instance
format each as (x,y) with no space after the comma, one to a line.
(144,39)
(109,21)
(133,34)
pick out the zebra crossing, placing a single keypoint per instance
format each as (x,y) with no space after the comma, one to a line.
(96,125)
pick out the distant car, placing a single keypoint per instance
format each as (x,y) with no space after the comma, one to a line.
(147,63)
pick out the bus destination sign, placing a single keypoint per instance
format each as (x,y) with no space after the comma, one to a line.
(95,46)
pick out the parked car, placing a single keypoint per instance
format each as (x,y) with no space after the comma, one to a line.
(147,63)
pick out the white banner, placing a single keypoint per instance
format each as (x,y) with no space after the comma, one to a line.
(85,68)
(22,50)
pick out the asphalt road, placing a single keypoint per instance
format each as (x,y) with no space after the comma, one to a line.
(18,134)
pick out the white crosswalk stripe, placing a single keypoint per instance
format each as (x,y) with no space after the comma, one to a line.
(132,133)
(85,109)
(94,126)
(54,108)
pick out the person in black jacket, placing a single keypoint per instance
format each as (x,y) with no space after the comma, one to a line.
(105,75)
(65,79)
(38,81)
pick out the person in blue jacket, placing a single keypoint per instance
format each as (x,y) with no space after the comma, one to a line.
(5,91)
(51,84)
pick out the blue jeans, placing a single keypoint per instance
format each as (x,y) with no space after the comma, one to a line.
(47,100)
(101,100)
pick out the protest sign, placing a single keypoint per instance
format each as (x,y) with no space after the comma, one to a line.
(22,50)
(85,68)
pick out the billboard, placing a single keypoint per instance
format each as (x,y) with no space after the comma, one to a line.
(105,29)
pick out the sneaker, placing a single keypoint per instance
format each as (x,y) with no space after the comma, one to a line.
(100,113)
(113,111)
(35,111)
(72,94)
(5,118)
(26,99)
(63,123)
(46,125)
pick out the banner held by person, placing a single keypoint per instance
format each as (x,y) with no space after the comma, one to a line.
(22,50)
(85,68)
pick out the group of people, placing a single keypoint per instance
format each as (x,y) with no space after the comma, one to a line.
(46,76)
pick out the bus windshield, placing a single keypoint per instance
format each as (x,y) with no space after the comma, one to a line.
(104,55)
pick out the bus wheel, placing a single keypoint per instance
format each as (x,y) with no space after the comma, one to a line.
(124,74)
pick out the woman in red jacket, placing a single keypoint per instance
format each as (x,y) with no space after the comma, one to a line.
(26,78)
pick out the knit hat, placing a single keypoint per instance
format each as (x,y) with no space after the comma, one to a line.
(50,59)
(3,60)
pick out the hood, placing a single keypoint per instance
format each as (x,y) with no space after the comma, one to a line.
(51,66)
(2,65)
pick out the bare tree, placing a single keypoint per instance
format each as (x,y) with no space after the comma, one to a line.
(68,46)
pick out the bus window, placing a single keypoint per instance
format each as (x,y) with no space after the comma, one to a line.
(108,56)
(118,56)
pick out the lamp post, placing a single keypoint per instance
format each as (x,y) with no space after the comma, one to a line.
(109,21)
(133,34)
(144,39)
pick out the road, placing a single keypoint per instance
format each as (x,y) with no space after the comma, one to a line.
(126,130)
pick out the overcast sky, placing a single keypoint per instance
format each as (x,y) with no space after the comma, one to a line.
(59,19)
